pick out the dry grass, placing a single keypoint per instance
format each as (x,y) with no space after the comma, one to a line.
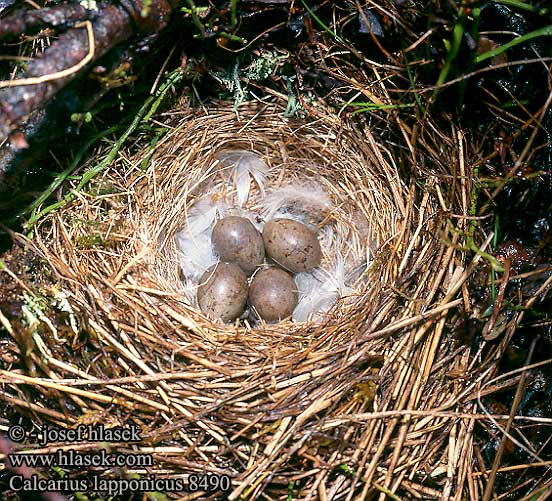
(377,399)
(383,400)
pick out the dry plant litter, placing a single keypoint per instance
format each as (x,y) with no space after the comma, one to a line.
(373,399)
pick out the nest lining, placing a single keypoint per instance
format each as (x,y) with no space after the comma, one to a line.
(263,404)
(298,191)
(361,218)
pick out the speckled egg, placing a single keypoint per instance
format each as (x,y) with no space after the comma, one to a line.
(273,294)
(292,245)
(236,240)
(222,292)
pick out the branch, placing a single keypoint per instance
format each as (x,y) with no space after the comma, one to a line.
(68,56)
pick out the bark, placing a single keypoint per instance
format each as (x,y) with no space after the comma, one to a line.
(25,21)
(111,24)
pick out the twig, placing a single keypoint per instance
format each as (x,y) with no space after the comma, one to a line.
(58,74)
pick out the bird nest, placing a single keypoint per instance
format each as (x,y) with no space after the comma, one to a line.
(360,399)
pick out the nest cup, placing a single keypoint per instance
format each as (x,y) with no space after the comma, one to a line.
(268,403)
(348,197)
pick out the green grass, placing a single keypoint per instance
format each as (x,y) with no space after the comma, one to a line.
(453,47)
(470,242)
(413,83)
(143,115)
(369,106)
(546,31)
(518,4)
(64,175)
(493,271)
(324,26)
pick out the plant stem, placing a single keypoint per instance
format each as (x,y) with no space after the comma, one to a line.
(546,31)
(143,115)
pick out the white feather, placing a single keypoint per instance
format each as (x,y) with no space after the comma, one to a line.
(196,254)
(253,216)
(319,290)
(313,297)
(194,240)
(242,166)
(306,202)
(190,290)
(201,217)
(243,184)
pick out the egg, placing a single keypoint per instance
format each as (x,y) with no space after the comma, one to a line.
(292,245)
(222,292)
(273,294)
(236,240)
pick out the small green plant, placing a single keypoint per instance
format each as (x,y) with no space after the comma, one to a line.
(345,468)
(470,242)
(195,12)
(518,4)
(365,106)
(453,46)
(290,491)
(236,80)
